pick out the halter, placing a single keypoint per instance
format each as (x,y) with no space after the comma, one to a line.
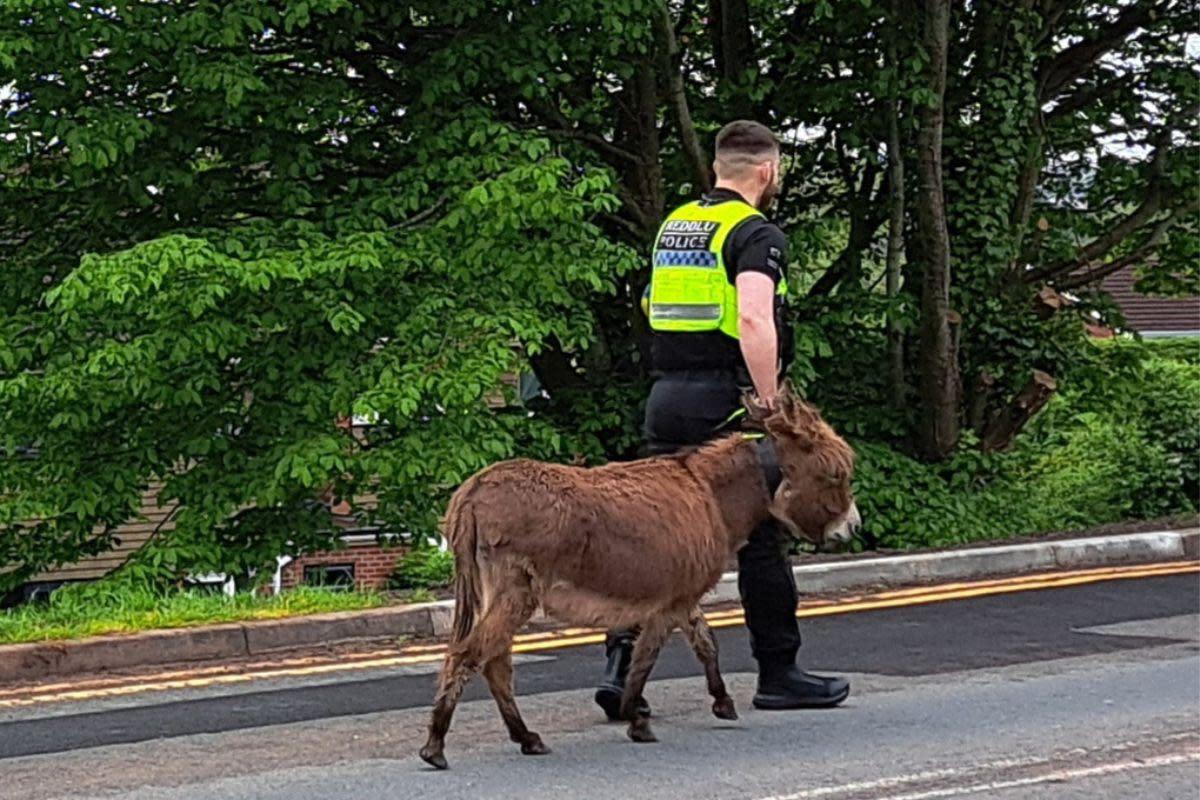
(764,449)
(768,460)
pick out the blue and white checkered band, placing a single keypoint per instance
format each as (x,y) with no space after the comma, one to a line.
(685,258)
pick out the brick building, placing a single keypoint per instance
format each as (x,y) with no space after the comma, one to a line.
(364,563)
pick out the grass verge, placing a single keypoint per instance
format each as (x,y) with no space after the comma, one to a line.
(93,609)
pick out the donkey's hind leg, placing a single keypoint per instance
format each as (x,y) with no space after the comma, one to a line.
(499,671)
(645,653)
(461,662)
(499,674)
(704,645)
(491,637)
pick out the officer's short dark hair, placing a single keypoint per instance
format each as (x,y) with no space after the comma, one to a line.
(746,140)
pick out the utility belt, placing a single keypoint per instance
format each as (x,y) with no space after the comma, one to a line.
(737,376)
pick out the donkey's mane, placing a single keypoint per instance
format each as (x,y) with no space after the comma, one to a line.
(832,452)
(717,446)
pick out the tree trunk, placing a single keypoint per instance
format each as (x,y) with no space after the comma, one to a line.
(637,132)
(895,245)
(864,221)
(981,393)
(938,433)
(641,187)
(677,98)
(1027,183)
(737,53)
(1005,426)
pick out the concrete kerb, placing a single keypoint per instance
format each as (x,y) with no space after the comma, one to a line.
(22,662)
(101,654)
(35,661)
(981,562)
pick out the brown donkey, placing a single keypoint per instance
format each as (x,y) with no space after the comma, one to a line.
(635,543)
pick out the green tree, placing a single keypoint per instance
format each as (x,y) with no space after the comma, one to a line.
(223,237)
(226,225)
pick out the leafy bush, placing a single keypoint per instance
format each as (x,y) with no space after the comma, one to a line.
(1121,441)
(1152,388)
(424,568)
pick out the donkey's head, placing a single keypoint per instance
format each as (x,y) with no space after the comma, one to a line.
(814,499)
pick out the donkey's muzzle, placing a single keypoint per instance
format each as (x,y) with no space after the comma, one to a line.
(845,528)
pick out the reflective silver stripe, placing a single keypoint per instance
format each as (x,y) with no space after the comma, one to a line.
(684,311)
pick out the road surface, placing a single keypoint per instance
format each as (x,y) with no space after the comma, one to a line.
(1075,688)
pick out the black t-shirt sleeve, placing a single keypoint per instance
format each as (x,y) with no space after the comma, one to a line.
(758,246)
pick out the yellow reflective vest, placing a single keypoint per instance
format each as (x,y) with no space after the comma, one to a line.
(690,291)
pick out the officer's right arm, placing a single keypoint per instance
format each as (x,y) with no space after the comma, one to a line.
(756,331)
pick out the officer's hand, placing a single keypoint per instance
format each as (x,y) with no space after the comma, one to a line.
(765,403)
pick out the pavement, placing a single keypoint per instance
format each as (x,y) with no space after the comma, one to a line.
(1072,684)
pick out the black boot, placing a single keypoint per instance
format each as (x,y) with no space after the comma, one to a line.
(784,686)
(618,647)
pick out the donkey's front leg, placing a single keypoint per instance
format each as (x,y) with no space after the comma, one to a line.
(645,653)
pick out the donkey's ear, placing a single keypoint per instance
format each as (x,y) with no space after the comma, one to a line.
(787,398)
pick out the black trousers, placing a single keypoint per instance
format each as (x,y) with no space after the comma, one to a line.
(689,408)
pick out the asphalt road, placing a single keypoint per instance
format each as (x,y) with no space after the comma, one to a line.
(1084,691)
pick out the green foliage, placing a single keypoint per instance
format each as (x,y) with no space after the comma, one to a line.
(272,250)
(226,226)
(1152,388)
(841,364)
(417,596)
(1120,442)
(423,568)
(219,365)
(117,606)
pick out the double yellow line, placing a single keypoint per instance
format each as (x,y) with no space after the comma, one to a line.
(919,595)
(200,677)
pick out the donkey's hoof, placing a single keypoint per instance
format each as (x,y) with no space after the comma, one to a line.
(724,708)
(534,746)
(434,758)
(642,734)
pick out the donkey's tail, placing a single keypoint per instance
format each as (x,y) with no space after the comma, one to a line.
(462,535)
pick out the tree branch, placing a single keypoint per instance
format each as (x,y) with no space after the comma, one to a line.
(1142,252)
(692,149)
(866,215)
(1077,59)
(863,225)
(633,230)
(1152,203)
(631,205)
(421,216)
(1080,100)
(564,127)
(1027,183)
(601,144)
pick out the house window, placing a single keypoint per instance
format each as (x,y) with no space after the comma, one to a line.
(330,576)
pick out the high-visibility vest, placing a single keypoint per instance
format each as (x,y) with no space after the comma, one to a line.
(690,291)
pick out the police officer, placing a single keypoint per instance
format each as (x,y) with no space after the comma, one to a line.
(716,308)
